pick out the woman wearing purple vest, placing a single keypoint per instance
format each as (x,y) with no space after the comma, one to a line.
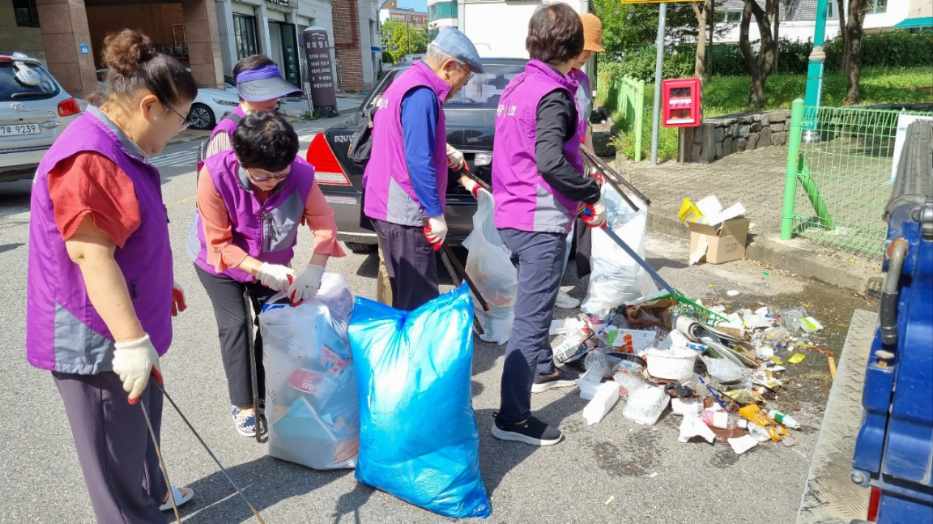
(251,201)
(100,293)
(538,185)
(260,85)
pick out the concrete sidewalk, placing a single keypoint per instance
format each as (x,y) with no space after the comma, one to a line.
(756,179)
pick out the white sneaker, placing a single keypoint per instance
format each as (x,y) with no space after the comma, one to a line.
(565,301)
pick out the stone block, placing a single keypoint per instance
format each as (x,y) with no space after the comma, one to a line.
(740,144)
(743,131)
(777,127)
(728,146)
(778,116)
(778,139)
(764,138)
(752,141)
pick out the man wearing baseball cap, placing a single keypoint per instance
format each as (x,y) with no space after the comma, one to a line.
(260,85)
(405,181)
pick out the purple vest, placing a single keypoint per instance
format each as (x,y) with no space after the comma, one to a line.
(388,194)
(227,125)
(524,201)
(266,230)
(64,333)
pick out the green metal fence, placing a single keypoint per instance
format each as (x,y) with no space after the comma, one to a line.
(624,98)
(838,179)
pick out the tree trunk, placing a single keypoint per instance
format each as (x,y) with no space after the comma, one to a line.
(711,19)
(854,50)
(699,61)
(756,95)
(775,22)
(841,13)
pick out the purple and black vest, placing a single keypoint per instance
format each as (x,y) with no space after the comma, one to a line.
(389,195)
(64,332)
(266,230)
(524,200)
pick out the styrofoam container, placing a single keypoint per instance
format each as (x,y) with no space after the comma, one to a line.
(672,364)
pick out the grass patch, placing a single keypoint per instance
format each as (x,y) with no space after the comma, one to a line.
(723,95)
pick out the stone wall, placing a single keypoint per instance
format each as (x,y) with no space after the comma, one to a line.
(721,136)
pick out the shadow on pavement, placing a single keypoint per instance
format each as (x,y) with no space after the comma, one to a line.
(351,503)
(497,458)
(265,482)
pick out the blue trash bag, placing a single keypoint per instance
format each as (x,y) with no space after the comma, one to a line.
(418,435)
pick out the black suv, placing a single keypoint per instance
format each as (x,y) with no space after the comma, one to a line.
(471,115)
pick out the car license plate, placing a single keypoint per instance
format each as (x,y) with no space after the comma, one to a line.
(20,130)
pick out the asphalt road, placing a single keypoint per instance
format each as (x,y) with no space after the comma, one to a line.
(615,471)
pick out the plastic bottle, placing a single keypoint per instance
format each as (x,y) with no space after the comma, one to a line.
(570,346)
(782,418)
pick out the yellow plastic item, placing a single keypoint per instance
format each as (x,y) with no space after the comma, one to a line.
(796,358)
(689,212)
(753,413)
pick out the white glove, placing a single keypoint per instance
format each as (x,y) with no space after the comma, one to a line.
(455,159)
(133,361)
(470,185)
(275,277)
(437,230)
(595,216)
(307,284)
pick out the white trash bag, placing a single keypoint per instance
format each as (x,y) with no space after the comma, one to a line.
(489,264)
(311,398)
(616,278)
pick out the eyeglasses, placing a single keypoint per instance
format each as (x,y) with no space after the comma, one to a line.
(270,176)
(184,119)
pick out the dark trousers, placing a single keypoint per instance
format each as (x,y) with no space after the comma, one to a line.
(410,262)
(118,459)
(539,258)
(227,298)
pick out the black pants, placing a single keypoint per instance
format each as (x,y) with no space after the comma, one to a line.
(227,298)
(539,257)
(120,466)
(410,262)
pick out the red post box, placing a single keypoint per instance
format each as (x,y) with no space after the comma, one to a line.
(681,102)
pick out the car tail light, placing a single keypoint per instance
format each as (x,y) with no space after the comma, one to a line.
(327,169)
(68,107)
(873,500)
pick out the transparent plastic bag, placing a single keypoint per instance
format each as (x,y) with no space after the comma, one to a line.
(490,266)
(645,405)
(311,398)
(616,278)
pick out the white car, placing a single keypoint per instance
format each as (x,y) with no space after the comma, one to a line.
(34,109)
(211,105)
(208,107)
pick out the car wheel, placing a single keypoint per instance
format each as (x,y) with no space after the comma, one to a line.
(201,117)
(362,249)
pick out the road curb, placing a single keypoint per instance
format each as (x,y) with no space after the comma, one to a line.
(797,256)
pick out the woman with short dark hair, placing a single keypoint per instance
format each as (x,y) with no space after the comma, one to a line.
(251,201)
(101,293)
(538,185)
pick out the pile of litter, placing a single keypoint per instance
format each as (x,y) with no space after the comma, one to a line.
(720,371)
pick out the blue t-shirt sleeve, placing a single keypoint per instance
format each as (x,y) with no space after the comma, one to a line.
(419,124)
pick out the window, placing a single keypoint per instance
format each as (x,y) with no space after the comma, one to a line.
(244,32)
(877,6)
(25,81)
(26,13)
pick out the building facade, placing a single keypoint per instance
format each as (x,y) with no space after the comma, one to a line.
(391,11)
(798,18)
(208,35)
(443,13)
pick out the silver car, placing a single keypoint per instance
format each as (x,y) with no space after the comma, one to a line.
(34,108)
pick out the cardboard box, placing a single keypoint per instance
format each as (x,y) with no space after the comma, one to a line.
(720,244)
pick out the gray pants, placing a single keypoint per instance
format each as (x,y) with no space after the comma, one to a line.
(120,466)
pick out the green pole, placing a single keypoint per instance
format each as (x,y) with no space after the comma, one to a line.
(815,63)
(790,175)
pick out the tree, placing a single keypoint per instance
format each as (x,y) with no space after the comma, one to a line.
(627,27)
(702,11)
(761,64)
(400,39)
(852,58)
(841,10)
